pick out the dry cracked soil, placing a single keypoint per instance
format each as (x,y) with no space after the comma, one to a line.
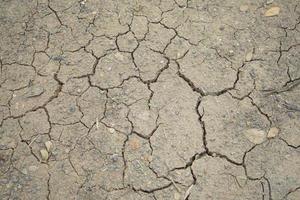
(150,99)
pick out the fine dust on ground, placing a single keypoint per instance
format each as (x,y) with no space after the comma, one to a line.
(150,99)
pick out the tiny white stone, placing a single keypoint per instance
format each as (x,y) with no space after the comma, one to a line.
(111,130)
(48,145)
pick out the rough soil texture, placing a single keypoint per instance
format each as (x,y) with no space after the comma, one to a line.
(150,99)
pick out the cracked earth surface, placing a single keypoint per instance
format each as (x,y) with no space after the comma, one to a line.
(149,99)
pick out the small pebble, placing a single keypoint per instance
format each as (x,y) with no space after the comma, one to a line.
(111,130)
(249,56)
(255,136)
(231,52)
(44,154)
(244,8)
(177,196)
(48,145)
(72,109)
(114,157)
(273,11)
(273,132)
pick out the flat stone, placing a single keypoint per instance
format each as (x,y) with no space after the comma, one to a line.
(35,91)
(273,11)
(256,136)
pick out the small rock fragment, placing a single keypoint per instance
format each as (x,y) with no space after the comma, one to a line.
(114,157)
(273,11)
(255,136)
(221,28)
(269,2)
(111,130)
(244,8)
(249,56)
(35,91)
(177,196)
(44,154)
(48,145)
(72,109)
(273,132)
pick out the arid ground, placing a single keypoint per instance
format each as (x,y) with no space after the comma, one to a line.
(150,99)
